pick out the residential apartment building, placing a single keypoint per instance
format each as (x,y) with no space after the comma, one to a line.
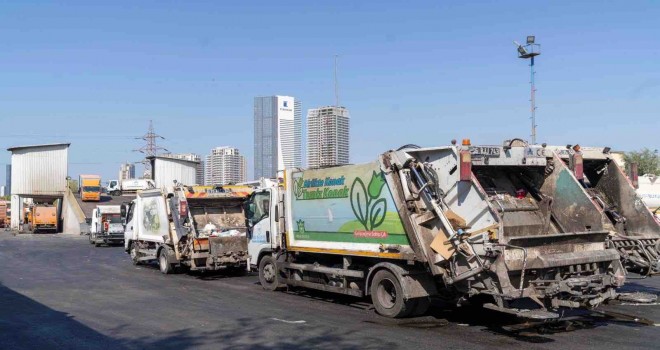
(328,130)
(225,165)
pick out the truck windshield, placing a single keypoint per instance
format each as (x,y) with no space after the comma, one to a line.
(113,183)
(114,218)
(91,189)
(258,207)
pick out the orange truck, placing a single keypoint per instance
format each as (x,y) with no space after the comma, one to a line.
(89,187)
(42,218)
(3,214)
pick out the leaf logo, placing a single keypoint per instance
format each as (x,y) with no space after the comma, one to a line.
(298,187)
(368,208)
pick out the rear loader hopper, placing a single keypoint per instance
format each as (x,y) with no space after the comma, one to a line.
(635,230)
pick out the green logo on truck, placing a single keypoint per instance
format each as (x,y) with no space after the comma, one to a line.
(328,188)
(368,208)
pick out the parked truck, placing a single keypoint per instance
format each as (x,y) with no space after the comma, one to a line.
(180,228)
(3,214)
(42,218)
(436,222)
(635,230)
(131,186)
(89,188)
(107,226)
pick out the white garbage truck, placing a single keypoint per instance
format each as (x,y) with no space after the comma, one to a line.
(130,186)
(635,230)
(429,222)
(193,231)
(106,226)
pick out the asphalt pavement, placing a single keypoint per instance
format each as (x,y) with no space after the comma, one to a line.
(88,207)
(58,291)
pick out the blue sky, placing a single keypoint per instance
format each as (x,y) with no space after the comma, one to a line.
(410,72)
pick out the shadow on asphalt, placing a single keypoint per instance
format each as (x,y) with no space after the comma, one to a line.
(25,323)
(632,285)
(442,314)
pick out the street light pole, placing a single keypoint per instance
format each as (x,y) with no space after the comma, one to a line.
(533,100)
(531,50)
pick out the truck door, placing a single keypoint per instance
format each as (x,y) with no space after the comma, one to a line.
(95,222)
(261,219)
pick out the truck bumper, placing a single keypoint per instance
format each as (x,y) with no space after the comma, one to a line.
(109,238)
(583,279)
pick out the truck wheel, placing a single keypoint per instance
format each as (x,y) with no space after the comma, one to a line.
(163,264)
(135,253)
(269,277)
(387,296)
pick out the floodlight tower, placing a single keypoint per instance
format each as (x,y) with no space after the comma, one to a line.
(531,50)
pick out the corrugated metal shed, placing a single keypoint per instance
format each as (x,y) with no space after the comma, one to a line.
(165,170)
(39,170)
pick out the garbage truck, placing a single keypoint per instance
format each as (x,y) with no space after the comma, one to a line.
(491,224)
(635,230)
(42,217)
(184,230)
(130,186)
(106,226)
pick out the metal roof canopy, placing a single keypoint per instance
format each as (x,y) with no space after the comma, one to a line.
(16,148)
(39,170)
(165,170)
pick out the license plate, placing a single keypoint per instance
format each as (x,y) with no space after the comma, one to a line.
(485,151)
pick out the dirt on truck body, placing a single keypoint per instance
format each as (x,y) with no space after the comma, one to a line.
(216,225)
(635,230)
(183,229)
(455,222)
(552,235)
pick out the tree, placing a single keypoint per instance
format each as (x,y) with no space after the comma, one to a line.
(648,162)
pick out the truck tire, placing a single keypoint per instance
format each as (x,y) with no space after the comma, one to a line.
(269,277)
(135,253)
(387,296)
(164,266)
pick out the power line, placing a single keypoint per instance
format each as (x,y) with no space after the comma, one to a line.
(151,148)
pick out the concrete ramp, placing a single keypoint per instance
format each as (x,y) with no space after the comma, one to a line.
(77,214)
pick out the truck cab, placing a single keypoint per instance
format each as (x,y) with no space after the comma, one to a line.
(113,188)
(90,188)
(262,221)
(106,226)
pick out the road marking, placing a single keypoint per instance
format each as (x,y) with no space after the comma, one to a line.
(291,322)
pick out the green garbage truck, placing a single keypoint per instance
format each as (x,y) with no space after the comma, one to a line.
(419,223)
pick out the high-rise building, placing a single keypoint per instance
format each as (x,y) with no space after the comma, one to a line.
(199,171)
(225,165)
(328,130)
(8,181)
(126,171)
(277,135)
